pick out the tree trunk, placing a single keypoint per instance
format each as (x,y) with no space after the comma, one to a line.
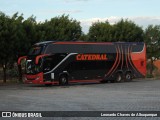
(151,69)
(4,73)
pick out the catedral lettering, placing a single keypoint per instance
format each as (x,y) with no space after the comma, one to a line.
(91,57)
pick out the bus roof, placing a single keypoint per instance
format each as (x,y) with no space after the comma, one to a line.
(44,42)
(87,47)
(84,42)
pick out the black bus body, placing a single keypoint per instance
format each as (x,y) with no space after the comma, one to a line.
(66,62)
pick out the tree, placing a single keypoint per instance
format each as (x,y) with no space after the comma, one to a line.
(124,31)
(83,37)
(100,31)
(16,37)
(61,28)
(127,31)
(152,40)
(7,41)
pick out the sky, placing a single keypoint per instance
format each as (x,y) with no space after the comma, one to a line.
(142,12)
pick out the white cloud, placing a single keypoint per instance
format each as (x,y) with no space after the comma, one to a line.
(143,21)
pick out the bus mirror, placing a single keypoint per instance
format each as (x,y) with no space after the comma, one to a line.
(38,57)
(20,59)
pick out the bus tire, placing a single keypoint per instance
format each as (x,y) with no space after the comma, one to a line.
(112,81)
(119,78)
(103,81)
(63,80)
(48,85)
(128,77)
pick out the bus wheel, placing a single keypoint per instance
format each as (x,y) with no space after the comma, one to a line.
(103,81)
(119,77)
(128,77)
(48,85)
(63,80)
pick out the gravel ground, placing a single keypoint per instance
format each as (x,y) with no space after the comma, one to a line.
(139,95)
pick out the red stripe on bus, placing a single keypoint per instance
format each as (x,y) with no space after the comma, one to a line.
(119,60)
(85,43)
(127,58)
(130,60)
(80,81)
(117,56)
(122,58)
(40,56)
(20,58)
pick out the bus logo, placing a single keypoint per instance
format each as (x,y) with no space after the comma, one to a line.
(97,57)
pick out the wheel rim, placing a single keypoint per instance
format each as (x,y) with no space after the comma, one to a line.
(63,80)
(119,78)
(128,77)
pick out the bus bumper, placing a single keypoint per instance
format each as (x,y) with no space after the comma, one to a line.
(37,79)
(34,79)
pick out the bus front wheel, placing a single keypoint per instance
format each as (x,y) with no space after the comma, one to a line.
(63,80)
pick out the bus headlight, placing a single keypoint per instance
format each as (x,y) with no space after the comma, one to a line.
(25,78)
(37,77)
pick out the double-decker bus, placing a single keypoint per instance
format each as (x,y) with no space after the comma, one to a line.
(68,62)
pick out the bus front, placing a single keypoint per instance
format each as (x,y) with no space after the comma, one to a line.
(34,64)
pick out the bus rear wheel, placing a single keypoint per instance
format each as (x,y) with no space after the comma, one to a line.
(63,80)
(119,78)
(128,77)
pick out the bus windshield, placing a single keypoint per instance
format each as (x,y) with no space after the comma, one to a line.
(32,68)
(36,50)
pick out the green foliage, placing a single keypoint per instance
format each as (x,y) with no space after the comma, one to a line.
(100,31)
(124,31)
(149,76)
(127,31)
(61,28)
(83,37)
(149,65)
(13,71)
(152,40)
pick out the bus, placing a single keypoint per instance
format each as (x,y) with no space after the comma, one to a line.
(61,63)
